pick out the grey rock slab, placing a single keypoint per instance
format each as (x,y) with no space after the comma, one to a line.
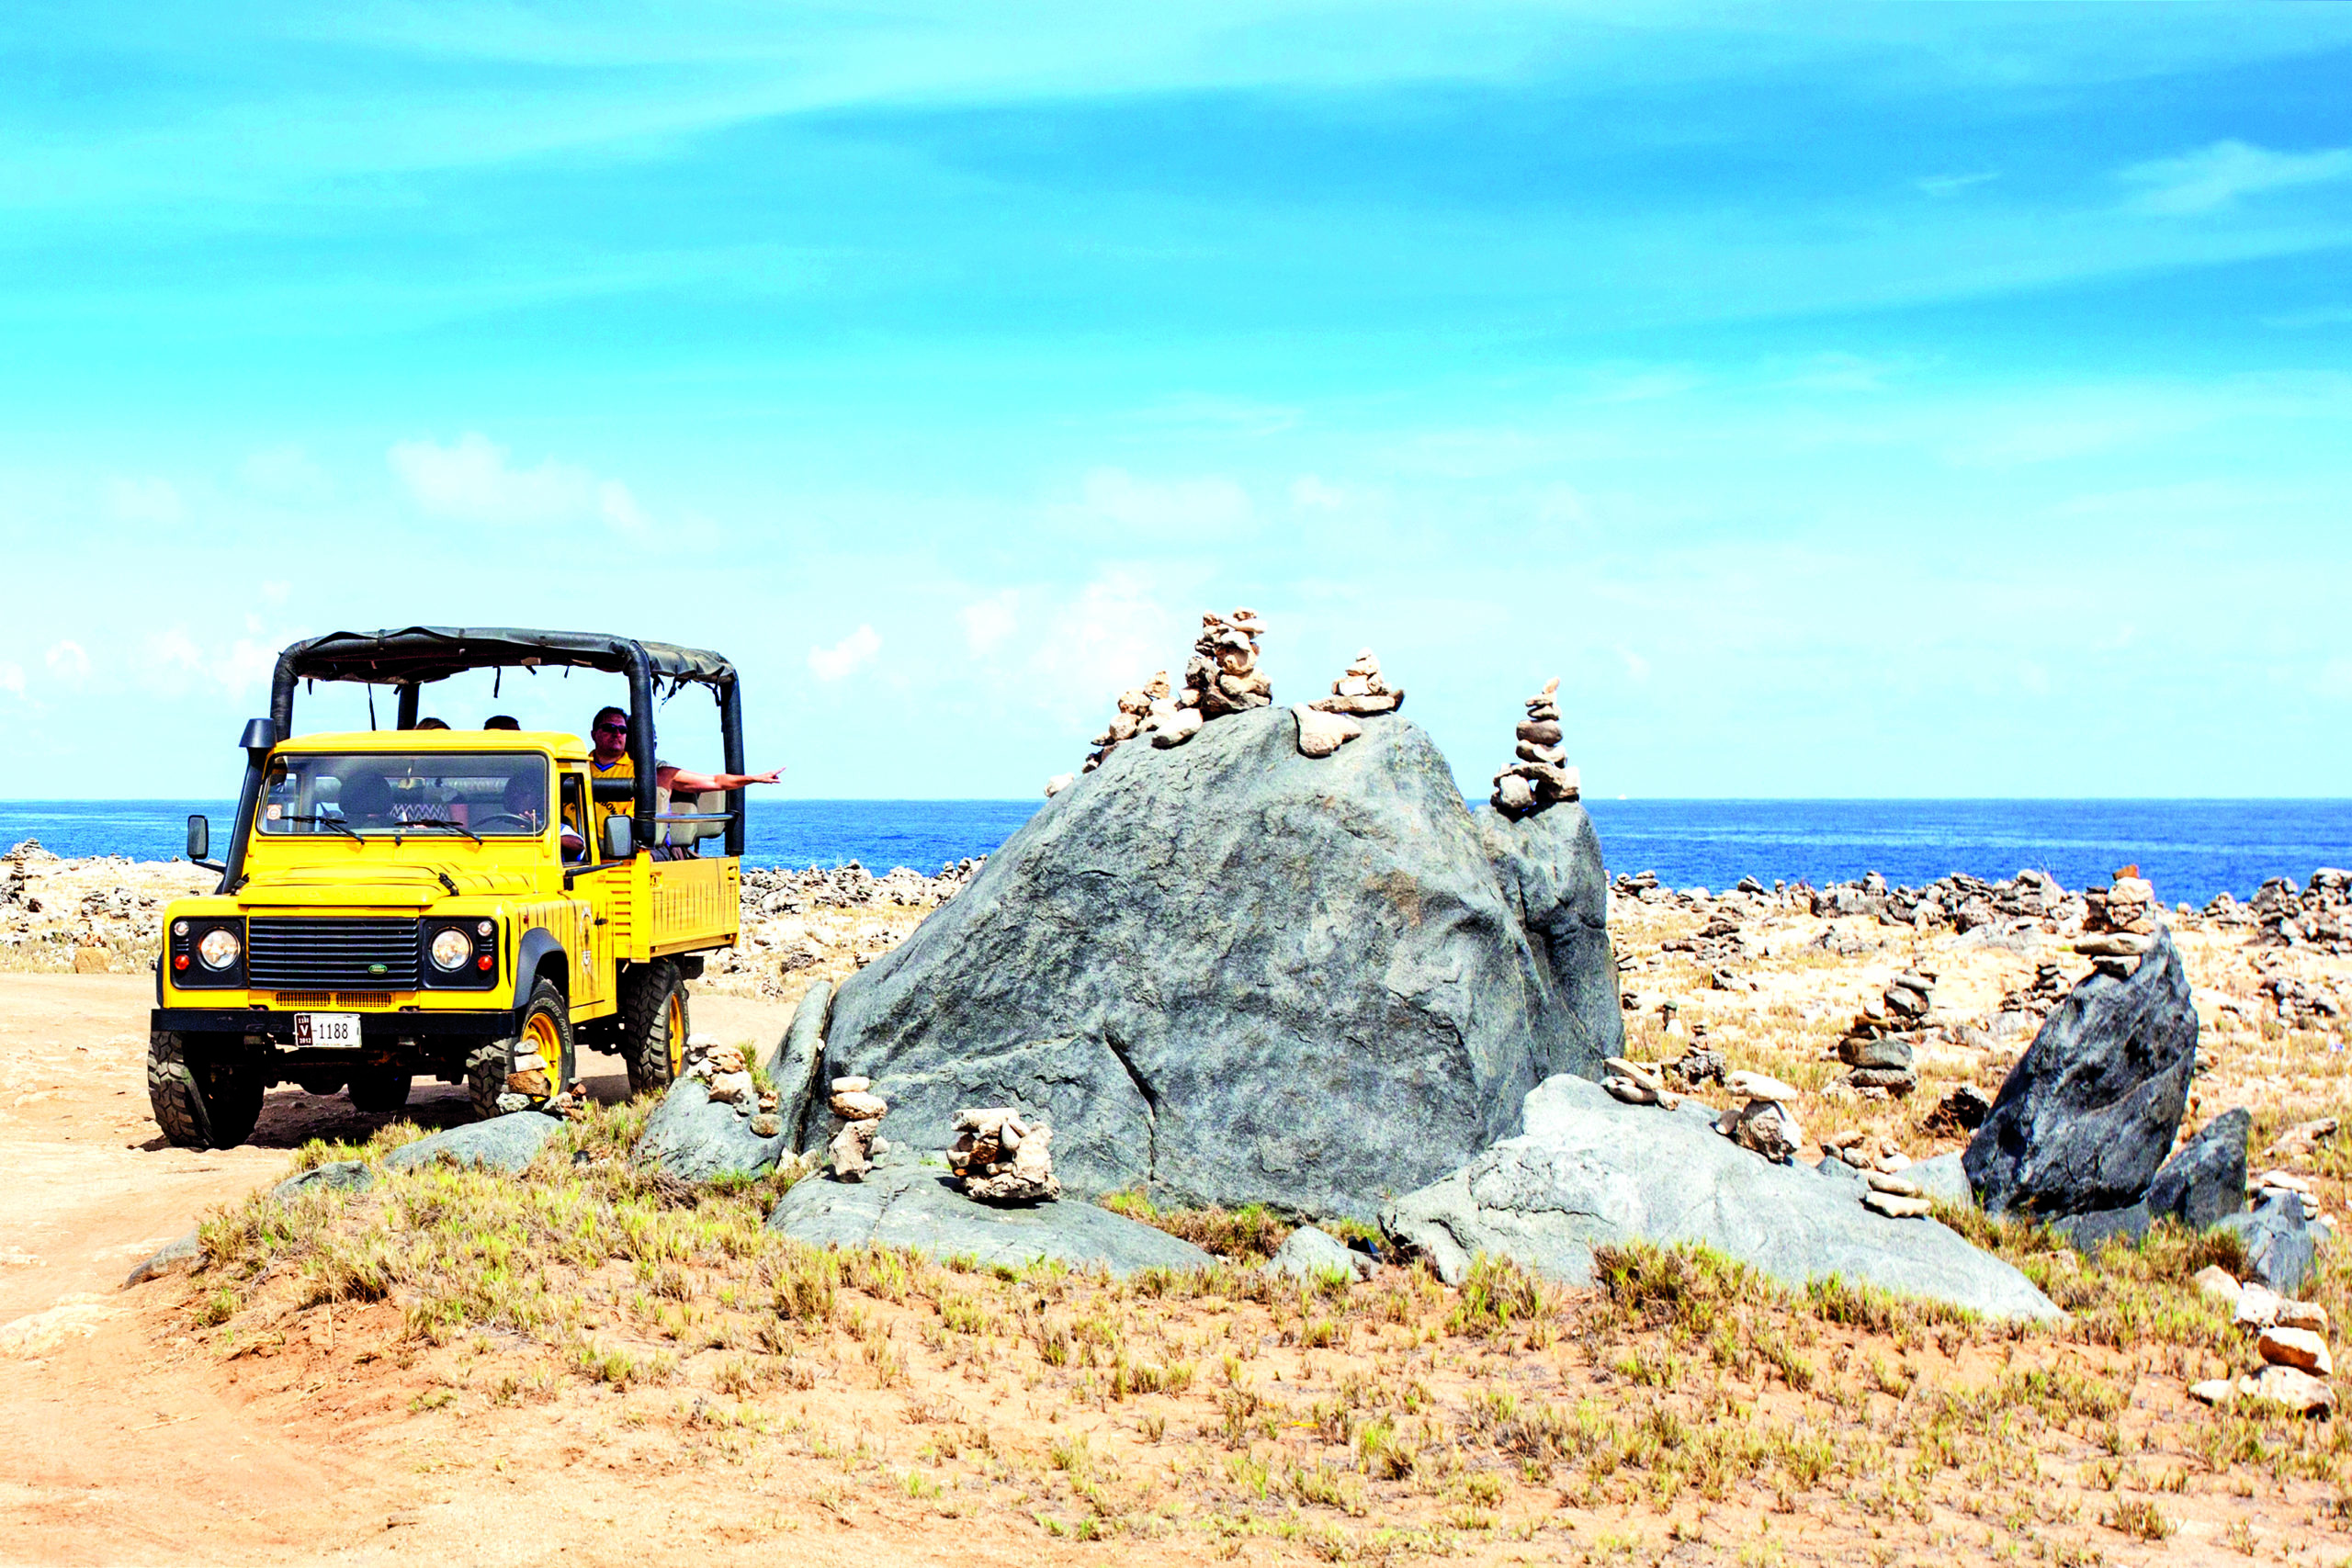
(1311,1254)
(695,1138)
(1944,1179)
(2279,1245)
(333,1175)
(915,1207)
(1588,1171)
(1230,974)
(503,1142)
(2090,1110)
(1551,871)
(791,1067)
(174,1256)
(2206,1180)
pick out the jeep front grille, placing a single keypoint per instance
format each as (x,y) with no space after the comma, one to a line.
(316,954)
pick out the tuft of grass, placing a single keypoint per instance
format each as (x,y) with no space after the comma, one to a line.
(1251,1234)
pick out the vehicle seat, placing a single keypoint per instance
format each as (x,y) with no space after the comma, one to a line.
(683,835)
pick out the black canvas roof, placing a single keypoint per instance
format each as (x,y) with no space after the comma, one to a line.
(417,654)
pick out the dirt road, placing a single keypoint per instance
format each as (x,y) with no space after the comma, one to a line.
(119,1440)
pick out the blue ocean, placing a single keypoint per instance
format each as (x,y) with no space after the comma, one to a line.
(2191,849)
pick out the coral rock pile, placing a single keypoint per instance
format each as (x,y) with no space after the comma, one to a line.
(1764,1123)
(1000,1158)
(1541,777)
(1139,706)
(726,1078)
(2119,923)
(2290,1338)
(1329,723)
(1638,1084)
(857,1140)
(1881,1043)
(1222,677)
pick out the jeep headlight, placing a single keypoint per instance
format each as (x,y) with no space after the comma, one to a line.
(219,948)
(450,949)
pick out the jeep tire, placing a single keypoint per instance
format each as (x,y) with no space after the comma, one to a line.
(653,1023)
(545,1027)
(206,1094)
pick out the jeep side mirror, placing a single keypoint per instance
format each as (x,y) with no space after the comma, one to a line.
(620,837)
(199,837)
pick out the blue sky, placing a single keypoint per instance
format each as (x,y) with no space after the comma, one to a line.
(1895,400)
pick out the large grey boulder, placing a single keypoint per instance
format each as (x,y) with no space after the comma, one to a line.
(503,1142)
(914,1206)
(1589,1170)
(1230,974)
(2091,1109)
(2205,1182)
(1549,864)
(696,1139)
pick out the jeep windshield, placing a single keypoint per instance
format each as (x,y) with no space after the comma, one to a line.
(473,794)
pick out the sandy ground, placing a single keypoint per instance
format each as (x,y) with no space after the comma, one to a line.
(126,1434)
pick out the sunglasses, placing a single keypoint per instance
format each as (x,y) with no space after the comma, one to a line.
(612,729)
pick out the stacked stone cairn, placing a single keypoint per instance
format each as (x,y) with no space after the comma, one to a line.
(1881,1162)
(2119,924)
(1541,777)
(1221,678)
(1000,1158)
(2048,989)
(857,1140)
(726,1078)
(1637,1083)
(2290,1340)
(1881,1043)
(1329,723)
(1763,1122)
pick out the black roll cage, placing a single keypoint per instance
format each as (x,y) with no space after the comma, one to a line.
(415,657)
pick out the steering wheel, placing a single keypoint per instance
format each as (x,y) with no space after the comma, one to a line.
(497,818)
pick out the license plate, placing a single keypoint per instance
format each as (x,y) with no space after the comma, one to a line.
(326,1029)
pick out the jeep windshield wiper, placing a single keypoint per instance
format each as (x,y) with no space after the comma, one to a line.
(338,823)
(442,822)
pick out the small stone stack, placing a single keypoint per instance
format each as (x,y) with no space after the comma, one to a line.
(1000,1158)
(1329,723)
(1638,1083)
(2047,990)
(1881,1043)
(1541,777)
(1222,678)
(1764,1123)
(2291,1337)
(726,1078)
(1137,706)
(1861,1151)
(2119,923)
(857,1140)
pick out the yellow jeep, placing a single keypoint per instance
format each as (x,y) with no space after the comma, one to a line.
(397,902)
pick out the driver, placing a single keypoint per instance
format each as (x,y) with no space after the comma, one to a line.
(367,800)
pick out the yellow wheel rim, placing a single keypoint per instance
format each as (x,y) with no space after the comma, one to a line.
(674,1020)
(539,1034)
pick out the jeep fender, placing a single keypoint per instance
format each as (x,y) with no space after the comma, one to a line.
(538,943)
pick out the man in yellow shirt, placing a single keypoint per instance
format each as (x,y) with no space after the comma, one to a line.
(608,735)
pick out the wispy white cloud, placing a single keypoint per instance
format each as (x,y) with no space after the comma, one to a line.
(12,679)
(473,479)
(2216,176)
(1163,506)
(141,500)
(989,621)
(846,657)
(1945,185)
(172,661)
(68,660)
(287,473)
